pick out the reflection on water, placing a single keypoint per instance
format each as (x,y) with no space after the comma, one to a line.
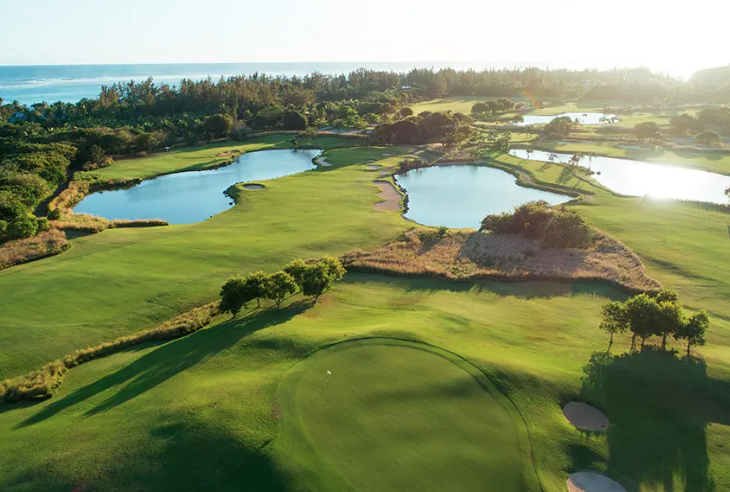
(585,118)
(188,197)
(461,196)
(639,178)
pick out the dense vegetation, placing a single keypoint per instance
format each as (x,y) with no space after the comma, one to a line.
(552,226)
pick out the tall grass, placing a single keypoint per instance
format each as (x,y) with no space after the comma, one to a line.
(43,383)
(47,243)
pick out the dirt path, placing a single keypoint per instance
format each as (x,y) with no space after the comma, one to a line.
(389,194)
(322,161)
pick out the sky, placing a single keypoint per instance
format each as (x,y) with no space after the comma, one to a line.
(569,33)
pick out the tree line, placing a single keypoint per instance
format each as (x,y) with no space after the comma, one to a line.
(311,279)
(661,315)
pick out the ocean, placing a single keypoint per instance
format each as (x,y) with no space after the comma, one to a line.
(71,83)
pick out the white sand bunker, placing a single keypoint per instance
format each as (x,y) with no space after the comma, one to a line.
(634,147)
(322,161)
(373,167)
(390,196)
(387,155)
(592,482)
(369,161)
(585,417)
(252,186)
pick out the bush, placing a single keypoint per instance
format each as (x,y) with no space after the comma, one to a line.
(54,214)
(219,125)
(294,120)
(554,227)
(646,130)
(708,138)
(22,227)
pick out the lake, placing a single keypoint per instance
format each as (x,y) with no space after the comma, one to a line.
(585,118)
(639,178)
(188,197)
(462,195)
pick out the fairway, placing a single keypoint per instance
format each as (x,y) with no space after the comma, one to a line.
(400,416)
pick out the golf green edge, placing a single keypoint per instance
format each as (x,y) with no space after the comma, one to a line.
(294,440)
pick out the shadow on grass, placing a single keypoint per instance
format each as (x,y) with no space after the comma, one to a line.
(169,359)
(531,289)
(659,407)
(194,458)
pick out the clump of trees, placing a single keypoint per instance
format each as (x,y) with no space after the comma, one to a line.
(552,226)
(492,108)
(708,137)
(311,279)
(560,126)
(647,131)
(685,124)
(449,128)
(646,316)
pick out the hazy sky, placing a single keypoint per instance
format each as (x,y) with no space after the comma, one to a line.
(561,32)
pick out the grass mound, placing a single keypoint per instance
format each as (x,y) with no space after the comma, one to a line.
(472,256)
(395,415)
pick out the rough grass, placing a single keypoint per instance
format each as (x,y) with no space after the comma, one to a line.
(47,243)
(43,383)
(466,256)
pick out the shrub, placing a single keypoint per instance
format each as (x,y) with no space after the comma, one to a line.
(294,120)
(22,227)
(554,227)
(3,228)
(708,138)
(646,130)
(54,214)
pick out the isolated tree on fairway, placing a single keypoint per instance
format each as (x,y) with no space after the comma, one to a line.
(614,318)
(693,330)
(320,277)
(280,285)
(559,126)
(256,286)
(297,269)
(232,298)
(709,138)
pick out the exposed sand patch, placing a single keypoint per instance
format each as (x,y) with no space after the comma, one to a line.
(585,417)
(389,194)
(369,161)
(634,147)
(230,153)
(253,186)
(322,161)
(592,482)
(373,167)
(467,255)
(387,155)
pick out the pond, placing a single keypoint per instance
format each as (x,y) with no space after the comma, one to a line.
(462,195)
(188,197)
(639,178)
(585,118)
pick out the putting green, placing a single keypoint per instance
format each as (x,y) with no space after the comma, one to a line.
(402,416)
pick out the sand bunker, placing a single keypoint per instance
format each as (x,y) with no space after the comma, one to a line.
(592,482)
(387,155)
(322,161)
(389,194)
(573,142)
(253,186)
(634,147)
(230,153)
(585,417)
(373,167)
(369,161)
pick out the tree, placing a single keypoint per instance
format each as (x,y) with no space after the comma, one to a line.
(646,130)
(614,318)
(693,330)
(294,120)
(479,108)
(405,112)
(642,313)
(516,119)
(684,124)
(670,317)
(708,138)
(256,284)
(280,285)
(218,125)
(297,269)
(560,126)
(320,277)
(233,295)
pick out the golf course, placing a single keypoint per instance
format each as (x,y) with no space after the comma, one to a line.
(476,373)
